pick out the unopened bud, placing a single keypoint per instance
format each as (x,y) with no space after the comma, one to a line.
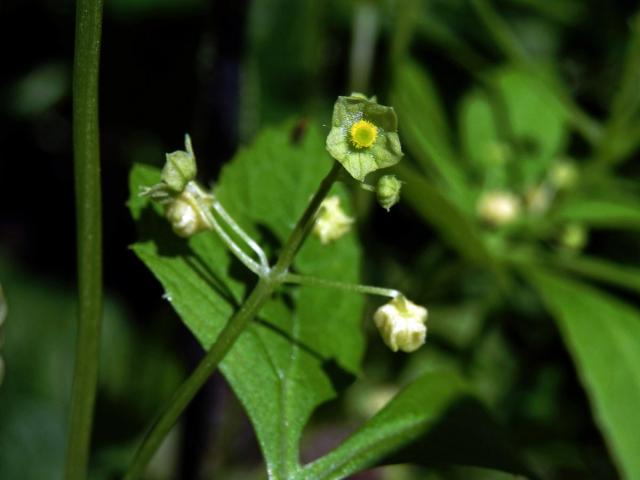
(185,214)
(180,167)
(563,175)
(332,223)
(498,208)
(573,237)
(402,324)
(388,191)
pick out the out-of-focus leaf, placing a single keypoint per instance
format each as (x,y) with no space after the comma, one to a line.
(603,270)
(281,366)
(40,90)
(424,128)
(415,413)
(603,336)
(519,112)
(601,213)
(456,229)
(34,398)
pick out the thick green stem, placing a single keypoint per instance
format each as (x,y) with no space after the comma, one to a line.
(86,148)
(227,338)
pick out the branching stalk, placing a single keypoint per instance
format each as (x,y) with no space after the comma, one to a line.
(253,245)
(235,326)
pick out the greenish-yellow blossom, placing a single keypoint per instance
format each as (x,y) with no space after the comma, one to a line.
(388,191)
(180,167)
(332,222)
(364,135)
(402,324)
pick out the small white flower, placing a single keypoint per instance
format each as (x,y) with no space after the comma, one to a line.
(332,223)
(498,208)
(402,324)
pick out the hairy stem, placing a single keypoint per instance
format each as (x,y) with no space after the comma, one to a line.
(349,287)
(86,156)
(235,326)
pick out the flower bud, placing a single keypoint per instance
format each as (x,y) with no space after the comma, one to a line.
(498,208)
(332,223)
(402,324)
(186,216)
(573,237)
(563,175)
(388,191)
(180,167)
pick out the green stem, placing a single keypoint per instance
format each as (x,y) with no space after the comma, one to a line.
(86,149)
(227,338)
(306,222)
(349,287)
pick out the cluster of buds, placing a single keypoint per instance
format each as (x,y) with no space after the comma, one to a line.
(184,201)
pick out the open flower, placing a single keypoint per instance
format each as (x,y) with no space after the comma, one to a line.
(332,223)
(364,135)
(402,324)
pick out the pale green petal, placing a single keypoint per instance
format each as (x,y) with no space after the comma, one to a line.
(359,162)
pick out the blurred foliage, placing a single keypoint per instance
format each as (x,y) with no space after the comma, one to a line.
(539,316)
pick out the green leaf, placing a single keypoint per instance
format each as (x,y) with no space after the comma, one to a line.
(603,336)
(456,228)
(424,129)
(281,366)
(598,269)
(416,411)
(516,125)
(601,213)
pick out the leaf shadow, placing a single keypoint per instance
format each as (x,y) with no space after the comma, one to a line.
(465,434)
(153,228)
(339,377)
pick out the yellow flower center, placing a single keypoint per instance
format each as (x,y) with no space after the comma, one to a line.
(363,134)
